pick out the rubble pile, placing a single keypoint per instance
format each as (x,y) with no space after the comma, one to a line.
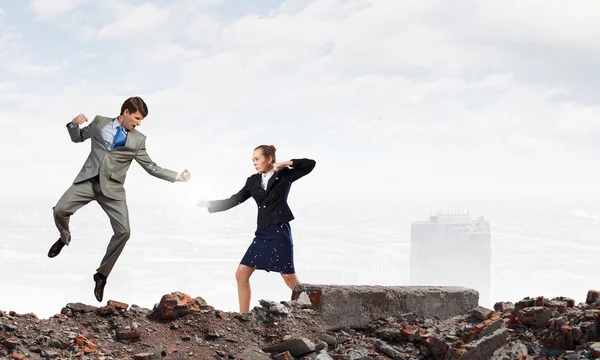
(182,327)
(178,327)
(531,329)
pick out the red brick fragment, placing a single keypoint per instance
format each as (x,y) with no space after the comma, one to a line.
(117,305)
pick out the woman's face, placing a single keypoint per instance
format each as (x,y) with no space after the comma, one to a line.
(261,163)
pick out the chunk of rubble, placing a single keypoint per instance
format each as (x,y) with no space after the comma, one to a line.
(302,302)
(283,356)
(77,308)
(536,316)
(595,349)
(592,296)
(482,348)
(295,346)
(481,313)
(176,305)
(117,305)
(514,350)
(274,307)
(503,306)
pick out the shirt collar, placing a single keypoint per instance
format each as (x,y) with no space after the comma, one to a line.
(115,123)
(264,175)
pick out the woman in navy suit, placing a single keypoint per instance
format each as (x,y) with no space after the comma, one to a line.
(272,248)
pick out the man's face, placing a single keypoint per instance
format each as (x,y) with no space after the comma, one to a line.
(131,121)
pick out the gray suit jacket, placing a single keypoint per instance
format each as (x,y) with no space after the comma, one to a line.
(112,165)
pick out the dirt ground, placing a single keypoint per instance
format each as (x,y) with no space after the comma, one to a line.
(182,327)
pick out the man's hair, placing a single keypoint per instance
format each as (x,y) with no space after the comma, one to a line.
(134,104)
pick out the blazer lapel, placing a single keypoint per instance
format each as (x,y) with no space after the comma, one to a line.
(130,140)
(262,194)
(98,133)
(272,180)
(258,193)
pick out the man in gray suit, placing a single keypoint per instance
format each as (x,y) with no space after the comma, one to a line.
(115,143)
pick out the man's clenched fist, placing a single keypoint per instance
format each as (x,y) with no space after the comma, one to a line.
(184,176)
(79,119)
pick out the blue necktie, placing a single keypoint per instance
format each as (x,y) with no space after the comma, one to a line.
(119,138)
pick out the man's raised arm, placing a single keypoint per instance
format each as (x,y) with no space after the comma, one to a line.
(79,134)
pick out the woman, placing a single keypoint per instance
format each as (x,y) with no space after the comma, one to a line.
(272,248)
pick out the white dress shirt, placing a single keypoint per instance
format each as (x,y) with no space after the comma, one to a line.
(265,179)
(110,131)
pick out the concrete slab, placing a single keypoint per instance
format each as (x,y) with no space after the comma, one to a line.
(356,305)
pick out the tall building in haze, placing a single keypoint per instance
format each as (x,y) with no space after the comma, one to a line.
(452,250)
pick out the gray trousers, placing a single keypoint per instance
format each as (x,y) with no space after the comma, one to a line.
(81,194)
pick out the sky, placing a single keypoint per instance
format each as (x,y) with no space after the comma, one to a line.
(429,100)
(469,98)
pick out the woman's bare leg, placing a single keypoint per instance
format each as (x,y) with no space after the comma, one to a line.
(291,280)
(242,276)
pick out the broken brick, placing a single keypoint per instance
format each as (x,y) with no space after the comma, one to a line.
(117,305)
(481,313)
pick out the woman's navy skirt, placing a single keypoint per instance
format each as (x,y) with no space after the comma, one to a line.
(272,250)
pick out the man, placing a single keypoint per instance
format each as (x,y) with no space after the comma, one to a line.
(115,143)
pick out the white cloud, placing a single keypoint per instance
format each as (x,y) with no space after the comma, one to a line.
(52,9)
(134,20)
(584,214)
(576,118)
(161,53)
(442,77)
(9,40)
(203,29)
(18,60)
(26,66)
(539,21)
(7,85)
